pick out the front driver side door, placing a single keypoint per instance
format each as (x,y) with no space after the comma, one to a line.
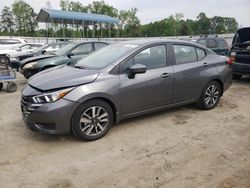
(151,89)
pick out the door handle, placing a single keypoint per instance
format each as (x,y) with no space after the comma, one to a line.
(205,64)
(165,75)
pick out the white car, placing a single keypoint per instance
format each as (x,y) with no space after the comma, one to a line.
(21,50)
(10,43)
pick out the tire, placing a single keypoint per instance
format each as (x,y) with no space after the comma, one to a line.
(1,86)
(4,60)
(237,76)
(11,87)
(89,127)
(210,96)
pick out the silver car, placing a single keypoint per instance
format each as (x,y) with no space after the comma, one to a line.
(122,81)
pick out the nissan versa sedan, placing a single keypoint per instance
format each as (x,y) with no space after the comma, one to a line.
(122,81)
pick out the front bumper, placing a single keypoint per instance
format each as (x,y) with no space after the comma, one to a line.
(241,68)
(27,73)
(50,118)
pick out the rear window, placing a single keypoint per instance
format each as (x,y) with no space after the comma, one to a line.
(211,43)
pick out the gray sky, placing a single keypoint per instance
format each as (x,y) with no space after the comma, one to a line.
(159,9)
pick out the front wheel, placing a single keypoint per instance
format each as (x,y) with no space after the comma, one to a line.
(210,96)
(92,120)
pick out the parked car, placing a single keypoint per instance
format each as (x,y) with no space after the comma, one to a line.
(22,49)
(9,43)
(121,81)
(240,53)
(46,49)
(68,54)
(217,44)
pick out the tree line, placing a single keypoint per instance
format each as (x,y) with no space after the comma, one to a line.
(20,20)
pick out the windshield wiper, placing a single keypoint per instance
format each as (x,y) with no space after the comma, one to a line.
(80,67)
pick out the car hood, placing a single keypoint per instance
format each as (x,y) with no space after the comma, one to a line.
(35,58)
(62,77)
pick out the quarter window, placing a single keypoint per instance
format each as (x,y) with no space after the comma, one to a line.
(200,53)
(153,57)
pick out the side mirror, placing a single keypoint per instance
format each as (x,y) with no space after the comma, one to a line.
(70,54)
(43,52)
(136,69)
(18,49)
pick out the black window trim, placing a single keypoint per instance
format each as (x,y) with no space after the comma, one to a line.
(194,46)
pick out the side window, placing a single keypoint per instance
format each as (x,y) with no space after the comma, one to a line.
(211,43)
(99,45)
(184,54)
(153,57)
(202,42)
(200,54)
(83,49)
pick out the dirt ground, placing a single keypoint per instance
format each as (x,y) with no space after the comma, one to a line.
(183,147)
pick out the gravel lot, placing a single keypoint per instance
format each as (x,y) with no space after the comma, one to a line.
(183,147)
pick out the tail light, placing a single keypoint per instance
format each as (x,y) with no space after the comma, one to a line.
(231,58)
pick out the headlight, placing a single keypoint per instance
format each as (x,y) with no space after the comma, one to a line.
(30,65)
(51,97)
(14,59)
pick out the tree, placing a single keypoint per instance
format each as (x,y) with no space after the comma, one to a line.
(123,19)
(64,4)
(133,23)
(24,17)
(7,20)
(203,24)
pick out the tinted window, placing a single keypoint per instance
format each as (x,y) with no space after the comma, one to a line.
(83,49)
(99,45)
(211,43)
(200,54)
(202,42)
(222,44)
(184,54)
(152,58)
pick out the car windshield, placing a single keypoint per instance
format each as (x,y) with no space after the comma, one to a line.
(105,56)
(65,50)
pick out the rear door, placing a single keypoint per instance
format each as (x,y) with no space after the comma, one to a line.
(190,63)
(148,90)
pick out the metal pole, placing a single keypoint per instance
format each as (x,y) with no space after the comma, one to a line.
(74,35)
(101,29)
(109,31)
(53,34)
(117,31)
(63,29)
(83,30)
(93,30)
(47,32)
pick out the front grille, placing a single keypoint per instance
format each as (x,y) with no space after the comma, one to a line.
(27,106)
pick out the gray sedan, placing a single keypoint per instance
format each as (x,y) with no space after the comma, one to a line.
(122,81)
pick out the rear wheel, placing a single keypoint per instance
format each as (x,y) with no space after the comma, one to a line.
(92,120)
(210,96)
(237,76)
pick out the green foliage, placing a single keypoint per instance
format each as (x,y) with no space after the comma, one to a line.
(7,20)
(21,21)
(25,18)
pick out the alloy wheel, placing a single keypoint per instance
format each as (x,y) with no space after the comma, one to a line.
(212,95)
(94,121)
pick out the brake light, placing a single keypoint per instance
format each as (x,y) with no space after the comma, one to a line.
(231,59)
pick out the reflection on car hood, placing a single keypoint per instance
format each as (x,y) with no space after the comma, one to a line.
(62,77)
(35,58)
